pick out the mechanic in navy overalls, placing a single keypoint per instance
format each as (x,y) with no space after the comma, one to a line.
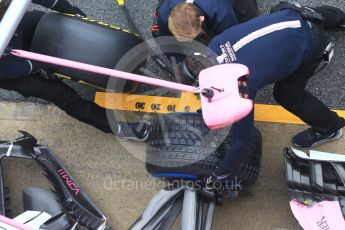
(283,48)
(205,19)
(218,15)
(14,67)
(27,78)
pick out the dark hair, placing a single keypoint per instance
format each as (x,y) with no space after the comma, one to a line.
(3,7)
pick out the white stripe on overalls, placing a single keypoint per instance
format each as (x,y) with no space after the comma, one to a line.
(264,31)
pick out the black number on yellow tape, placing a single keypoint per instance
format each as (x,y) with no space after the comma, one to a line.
(140,105)
(156,107)
(171,108)
(186,103)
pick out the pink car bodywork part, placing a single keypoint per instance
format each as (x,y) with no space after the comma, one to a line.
(325,215)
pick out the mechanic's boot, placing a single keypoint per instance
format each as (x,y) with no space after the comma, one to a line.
(309,138)
(138,131)
(334,17)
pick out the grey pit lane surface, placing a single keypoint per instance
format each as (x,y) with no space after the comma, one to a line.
(327,85)
(117,181)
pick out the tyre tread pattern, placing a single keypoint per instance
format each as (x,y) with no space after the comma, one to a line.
(181,143)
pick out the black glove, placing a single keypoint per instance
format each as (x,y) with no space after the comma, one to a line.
(219,174)
(45,74)
(216,179)
(42,72)
(7,51)
(64,6)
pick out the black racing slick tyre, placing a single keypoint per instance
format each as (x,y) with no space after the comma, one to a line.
(182,146)
(87,41)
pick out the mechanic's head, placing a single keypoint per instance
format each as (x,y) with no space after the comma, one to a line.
(185,22)
(3,7)
(193,65)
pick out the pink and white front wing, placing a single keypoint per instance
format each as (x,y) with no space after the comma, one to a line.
(325,215)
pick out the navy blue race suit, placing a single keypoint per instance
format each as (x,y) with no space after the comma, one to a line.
(219,15)
(13,67)
(285,49)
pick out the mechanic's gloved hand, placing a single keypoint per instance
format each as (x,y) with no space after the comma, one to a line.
(42,72)
(7,51)
(219,174)
(64,6)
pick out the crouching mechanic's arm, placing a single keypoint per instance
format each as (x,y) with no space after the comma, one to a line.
(241,134)
(160,26)
(62,6)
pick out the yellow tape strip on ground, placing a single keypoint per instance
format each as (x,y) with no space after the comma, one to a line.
(186,103)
